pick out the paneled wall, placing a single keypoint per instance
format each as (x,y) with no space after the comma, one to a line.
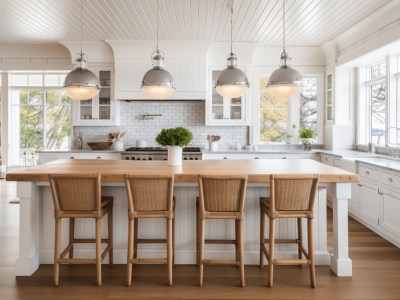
(190,114)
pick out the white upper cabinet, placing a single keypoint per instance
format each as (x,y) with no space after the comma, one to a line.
(223,110)
(185,61)
(102,110)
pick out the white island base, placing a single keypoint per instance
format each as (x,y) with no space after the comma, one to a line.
(37,228)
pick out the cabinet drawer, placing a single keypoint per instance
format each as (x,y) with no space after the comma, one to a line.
(390,180)
(328,160)
(368,173)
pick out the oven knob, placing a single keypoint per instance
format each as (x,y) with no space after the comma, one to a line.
(165,159)
(137,158)
(185,158)
(150,158)
(196,158)
(191,158)
(144,158)
(127,158)
(132,158)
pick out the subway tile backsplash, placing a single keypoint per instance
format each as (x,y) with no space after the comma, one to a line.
(189,114)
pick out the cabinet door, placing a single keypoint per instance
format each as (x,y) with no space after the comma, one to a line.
(390,220)
(354,202)
(223,110)
(369,203)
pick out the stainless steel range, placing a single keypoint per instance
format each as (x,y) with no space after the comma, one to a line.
(159,153)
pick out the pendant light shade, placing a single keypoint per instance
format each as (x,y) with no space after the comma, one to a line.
(158,83)
(285,81)
(232,82)
(81,83)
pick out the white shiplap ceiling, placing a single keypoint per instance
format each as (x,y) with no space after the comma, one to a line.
(308,22)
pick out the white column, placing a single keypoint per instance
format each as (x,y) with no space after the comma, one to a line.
(341,264)
(28,260)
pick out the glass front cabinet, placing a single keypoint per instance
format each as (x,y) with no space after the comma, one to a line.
(102,110)
(223,110)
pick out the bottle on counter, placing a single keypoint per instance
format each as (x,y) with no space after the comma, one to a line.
(79,142)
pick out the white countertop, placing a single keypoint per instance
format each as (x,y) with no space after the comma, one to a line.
(382,162)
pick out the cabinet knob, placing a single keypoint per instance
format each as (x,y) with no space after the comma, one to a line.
(284,157)
(390,179)
(71,157)
(359,184)
(98,157)
(225,157)
(367,172)
(326,158)
(256,158)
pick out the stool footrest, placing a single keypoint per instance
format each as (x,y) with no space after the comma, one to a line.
(88,241)
(290,261)
(151,241)
(149,261)
(83,261)
(220,262)
(219,241)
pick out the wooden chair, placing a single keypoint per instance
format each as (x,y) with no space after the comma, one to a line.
(291,196)
(221,197)
(79,196)
(149,196)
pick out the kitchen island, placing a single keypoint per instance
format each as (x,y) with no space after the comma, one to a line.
(37,221)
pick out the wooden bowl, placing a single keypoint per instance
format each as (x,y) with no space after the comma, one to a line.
(99,145)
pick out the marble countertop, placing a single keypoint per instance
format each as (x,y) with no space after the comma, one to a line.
(383,162)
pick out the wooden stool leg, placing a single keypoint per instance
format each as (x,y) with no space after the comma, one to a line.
(271,252)
(71,237)
(197,235)
(135,244)
(262,236)
(98,251)
(237,245)
(57,246)
(201,250)
(299,239)
(110,237)
(173,241)
(131,225)
(240,246)
(169,249)
(311,251)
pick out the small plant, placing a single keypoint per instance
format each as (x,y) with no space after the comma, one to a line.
(306,133)
(178,136)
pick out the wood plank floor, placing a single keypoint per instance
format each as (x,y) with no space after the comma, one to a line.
(376,274)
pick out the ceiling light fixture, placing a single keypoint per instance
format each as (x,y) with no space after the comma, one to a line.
(285,81)
(232,82)
(81,84)
(158,83)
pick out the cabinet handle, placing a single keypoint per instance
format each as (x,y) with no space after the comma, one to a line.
(98,157)
(256,158)
(359,184)
(71,157)
(284,157)
(367,172)
(390,179)
(326,158)
(225,157)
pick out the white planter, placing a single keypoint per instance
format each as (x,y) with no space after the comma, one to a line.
(118,145)
(174,156)
(213,146)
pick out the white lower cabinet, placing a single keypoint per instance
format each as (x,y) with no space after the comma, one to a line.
(390,220)
(260,156)
(45,157)
(369,202)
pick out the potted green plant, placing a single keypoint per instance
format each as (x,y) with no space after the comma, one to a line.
(175,139)
(306,135)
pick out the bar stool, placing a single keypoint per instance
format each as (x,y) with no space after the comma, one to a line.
(149,196)
(291,196)
(79,196)
(221,197)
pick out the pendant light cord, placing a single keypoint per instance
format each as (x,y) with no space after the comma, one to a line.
(81,25)
(231,29)
(283,25)
(157,27)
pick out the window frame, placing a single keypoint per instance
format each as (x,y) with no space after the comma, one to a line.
(292,118)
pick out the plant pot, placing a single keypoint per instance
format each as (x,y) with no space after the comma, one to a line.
(118,145)
(174,156)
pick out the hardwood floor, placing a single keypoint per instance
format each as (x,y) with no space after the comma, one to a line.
(376,273)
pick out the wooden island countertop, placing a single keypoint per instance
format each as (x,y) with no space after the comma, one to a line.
(113,170)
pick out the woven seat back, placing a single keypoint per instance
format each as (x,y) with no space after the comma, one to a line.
(76,192)
(149,193)
(290,193)
(222,193)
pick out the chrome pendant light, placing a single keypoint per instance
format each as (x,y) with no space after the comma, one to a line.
(284,82)
(158,83)
(81,84)
(232,82)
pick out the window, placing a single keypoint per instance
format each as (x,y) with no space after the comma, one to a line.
(40,116)
(281,118)
(374,105)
